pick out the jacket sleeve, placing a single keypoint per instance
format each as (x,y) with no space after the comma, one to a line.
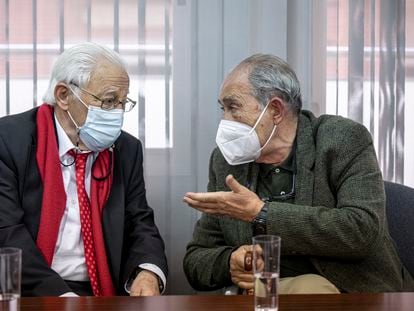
(356,223)
(38,279)
(143,242)
(206,262)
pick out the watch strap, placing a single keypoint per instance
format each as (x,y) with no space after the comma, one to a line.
(259,226)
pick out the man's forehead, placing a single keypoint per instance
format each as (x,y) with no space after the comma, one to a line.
(234,86)
(109,75)
(105,68)
(235,90)
(237,75)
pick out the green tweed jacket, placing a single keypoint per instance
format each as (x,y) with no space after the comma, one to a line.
(337,220)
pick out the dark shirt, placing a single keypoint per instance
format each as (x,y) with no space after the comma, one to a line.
(277,183)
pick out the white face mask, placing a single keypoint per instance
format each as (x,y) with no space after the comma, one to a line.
(238,142)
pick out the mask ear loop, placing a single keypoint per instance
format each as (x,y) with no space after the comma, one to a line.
(259,118)
(257,122)
(73,120)
(77,130)
(77,96)
(270,137)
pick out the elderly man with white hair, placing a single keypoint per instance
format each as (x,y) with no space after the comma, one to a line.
(280,170)
(72,192)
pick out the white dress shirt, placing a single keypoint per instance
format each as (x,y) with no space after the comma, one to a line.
(69,258)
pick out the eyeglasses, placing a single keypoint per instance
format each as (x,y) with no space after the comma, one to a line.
(283,196)
(110,103)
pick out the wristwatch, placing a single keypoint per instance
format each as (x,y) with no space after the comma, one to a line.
(259,222)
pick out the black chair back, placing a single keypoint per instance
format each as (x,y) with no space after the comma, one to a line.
(400,216)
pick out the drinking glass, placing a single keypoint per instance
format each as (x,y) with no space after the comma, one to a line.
(266,262)
(10,278)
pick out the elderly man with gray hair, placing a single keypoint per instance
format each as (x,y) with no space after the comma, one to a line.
(314,181)
(72,192)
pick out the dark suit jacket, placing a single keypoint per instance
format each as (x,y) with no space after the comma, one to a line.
(131,237)
(337,219)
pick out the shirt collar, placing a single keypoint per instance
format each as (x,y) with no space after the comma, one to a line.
(65,144)
(288,165)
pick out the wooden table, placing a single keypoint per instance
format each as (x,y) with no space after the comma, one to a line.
(357,302)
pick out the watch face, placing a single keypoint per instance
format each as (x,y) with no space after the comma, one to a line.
(259,230)
(259,227)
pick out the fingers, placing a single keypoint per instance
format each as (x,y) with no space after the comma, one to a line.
(204,197)
(233,184)
(207,202)
(245,285)
(240,203)
(143,291)
(207,197)
(237,258)
(135,292)
(148,292)
(239,276)
(199,204)
(248,261)
(210,208)
(243,280)
(145,284)
(214,197)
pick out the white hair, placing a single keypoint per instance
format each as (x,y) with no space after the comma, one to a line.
(76,64)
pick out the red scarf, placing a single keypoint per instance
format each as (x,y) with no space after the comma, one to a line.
(54,196)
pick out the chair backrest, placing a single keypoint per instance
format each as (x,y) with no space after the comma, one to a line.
(400,216)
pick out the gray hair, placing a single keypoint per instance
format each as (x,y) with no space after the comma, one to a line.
(271,76)
(76,64)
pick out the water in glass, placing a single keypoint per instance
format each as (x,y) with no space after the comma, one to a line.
(265,287)
(9,302)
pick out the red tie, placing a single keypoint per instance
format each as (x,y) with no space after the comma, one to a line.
(86,222)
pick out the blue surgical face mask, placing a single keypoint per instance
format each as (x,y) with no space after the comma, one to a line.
(101,128)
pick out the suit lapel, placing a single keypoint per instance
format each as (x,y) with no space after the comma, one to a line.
(113,220)
(305,161)
(32,192)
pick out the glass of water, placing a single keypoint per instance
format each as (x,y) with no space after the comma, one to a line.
(10,278)
(266,262)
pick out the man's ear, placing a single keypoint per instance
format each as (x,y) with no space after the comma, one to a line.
(278,109)
(62,93)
